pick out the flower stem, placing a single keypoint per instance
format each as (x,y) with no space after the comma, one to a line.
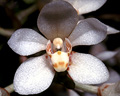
(10,88)
(6,32)
(87,88)
(25,13)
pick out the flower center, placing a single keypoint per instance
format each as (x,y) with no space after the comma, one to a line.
(59,54)
(60,61)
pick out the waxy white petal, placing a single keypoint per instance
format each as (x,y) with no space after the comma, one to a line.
(105,55)
(57,19)
(72,93)
(89,94)
(86,6)
(111,30)
(87,69)
(114,76)
(98,48)
(88,32)
(33,76)
(27,41)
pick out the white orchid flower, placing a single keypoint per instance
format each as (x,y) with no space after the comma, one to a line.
(58,22)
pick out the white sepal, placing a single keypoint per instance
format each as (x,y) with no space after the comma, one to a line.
(88,32)
(114,76)
(86,6)
(111,30)
(33,76)
(72,93)
(27,41)
(87,69)
(105,55)
(57,19)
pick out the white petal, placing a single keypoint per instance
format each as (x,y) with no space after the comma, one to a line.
(86,6)
(98,48)
(114,76)
(33,76)
(57,19)
(111,30)
(27,41)
(89,94)
(72,93)
(87,69)
(105,55)
(88,32)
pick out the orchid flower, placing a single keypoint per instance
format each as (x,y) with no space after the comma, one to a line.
(58,22)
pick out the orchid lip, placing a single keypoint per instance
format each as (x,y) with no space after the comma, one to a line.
(59,56)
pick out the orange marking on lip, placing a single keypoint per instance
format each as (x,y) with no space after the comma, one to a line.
(59,52)
(50,56)
(67,65)
(55,65)
(46,57)
(70,63)
(68,54)
(61,63)
(106,86)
